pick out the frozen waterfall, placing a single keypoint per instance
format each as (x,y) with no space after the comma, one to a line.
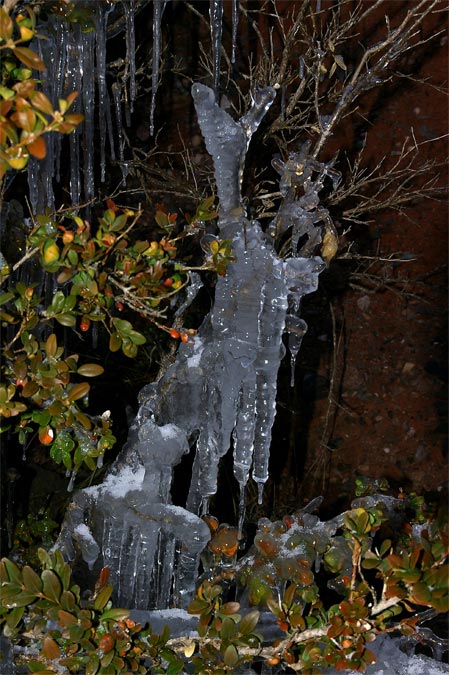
(219,393)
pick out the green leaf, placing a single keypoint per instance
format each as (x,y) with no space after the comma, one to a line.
(122,326)
(228,629)
(65,319)
(57,304)
(90,370)
(67,601)
(115,342)
(23,598)
(14,617)
(38,667)
(129,349)
(357,521)
(249,622)
(6,297)
(78,391)
(92,664)
(52,586)
(103,597)
(230,656)
(115,614)
(31,580)
(137,338)
(51,345)
(13,571)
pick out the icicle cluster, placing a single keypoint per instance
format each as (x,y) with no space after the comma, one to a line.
(76,61)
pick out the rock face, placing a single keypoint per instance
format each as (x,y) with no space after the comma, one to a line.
(220,391)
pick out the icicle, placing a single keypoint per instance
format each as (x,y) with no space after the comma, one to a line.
(110,127)
(158,8)
(235,23)
(130,9)
(88,94)
(74,82)
(71,484)
(117,95)
(101,24)
(216,29)
(296,329)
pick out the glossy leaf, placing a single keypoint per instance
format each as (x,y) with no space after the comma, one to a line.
(90,370)
(31,580)
(52,586)
(103,596)
(29,58)
(249,622)
(230,656)
(78,391)
(6,25)
(38,148)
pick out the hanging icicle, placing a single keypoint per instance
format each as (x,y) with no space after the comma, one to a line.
(158,8)
(88,96)
(235,23)
(101,24)
(117,97)
(296,328)
(130,10)
(216,29)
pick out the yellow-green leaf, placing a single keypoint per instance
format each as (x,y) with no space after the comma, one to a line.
(31,580)
(102,597)
(51,345)
(90,370)
(6,25)
(78,391)
(51,585)
(230,656)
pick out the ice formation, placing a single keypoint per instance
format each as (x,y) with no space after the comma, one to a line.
(219,393)
(128,524)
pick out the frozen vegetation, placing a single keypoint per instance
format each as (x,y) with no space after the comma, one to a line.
(219,393)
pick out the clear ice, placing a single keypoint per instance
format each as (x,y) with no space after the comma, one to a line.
(219,393)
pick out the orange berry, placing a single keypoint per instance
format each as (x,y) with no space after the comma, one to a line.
(85,324)
(174,334)
(106,643)
(168,282)
(184,337)
(46,436)
(67,237)
(346,643)
(273,661)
